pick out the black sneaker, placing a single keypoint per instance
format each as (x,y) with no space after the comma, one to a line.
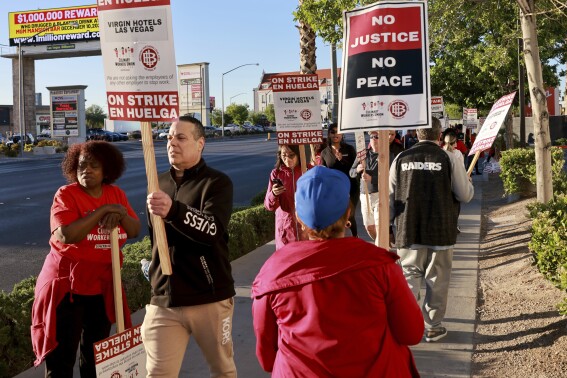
(435,334)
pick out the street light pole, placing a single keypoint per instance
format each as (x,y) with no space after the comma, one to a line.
(21,96)
(230,101)
(222,91)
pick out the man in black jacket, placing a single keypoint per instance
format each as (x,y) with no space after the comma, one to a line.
(426,184)
(195,202)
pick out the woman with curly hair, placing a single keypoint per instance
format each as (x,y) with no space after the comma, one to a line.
(73,293)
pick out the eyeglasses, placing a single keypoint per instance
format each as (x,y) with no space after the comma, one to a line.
(288,156)
(332,132)
(374,137)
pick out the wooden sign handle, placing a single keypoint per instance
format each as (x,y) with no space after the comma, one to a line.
(303,158)
(383,230)
(116,280)
(160,238)
(473,163)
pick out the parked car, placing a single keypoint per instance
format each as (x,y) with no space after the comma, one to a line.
(163,134)
(117,136)
(100,134)
(136,134)
(211,131)
(43,136)
(231,128)
(16,139)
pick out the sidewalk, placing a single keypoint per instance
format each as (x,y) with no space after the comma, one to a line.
(451,357)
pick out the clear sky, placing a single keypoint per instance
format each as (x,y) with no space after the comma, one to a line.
(224,33)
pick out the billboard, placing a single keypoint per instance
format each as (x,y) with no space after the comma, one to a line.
(54,25)
(65,112)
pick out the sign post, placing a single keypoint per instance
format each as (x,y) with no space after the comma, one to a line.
(140,71)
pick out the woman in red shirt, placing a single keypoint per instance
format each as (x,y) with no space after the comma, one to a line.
(73,293)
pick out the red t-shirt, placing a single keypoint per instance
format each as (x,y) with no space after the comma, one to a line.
(92,254)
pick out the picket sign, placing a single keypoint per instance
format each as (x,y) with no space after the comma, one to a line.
(123,354)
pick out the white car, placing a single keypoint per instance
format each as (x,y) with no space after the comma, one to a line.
(163,134)
(231,128)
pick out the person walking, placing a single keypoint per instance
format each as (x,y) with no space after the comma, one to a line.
(279,196)
(311,318)
(195,202)
(73,305)
(426,185)
(340,155)
(366,170)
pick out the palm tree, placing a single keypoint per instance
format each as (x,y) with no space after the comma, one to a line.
(307,47)
(95,116)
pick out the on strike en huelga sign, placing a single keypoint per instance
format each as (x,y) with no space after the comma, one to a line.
(492,124)
(121,356)
(139,60)
(385,83)
(297,106)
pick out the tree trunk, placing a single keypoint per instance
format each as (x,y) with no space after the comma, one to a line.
(307,48)
(540,113)
(307,65)
(509,127)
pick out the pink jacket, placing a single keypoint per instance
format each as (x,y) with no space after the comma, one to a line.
(284,205)
(335,308)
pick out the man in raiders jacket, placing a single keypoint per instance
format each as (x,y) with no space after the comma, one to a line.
(426,186)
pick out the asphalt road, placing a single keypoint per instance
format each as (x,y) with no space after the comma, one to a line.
(27,187)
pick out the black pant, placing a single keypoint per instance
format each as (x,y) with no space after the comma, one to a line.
(354,199)
(81,320)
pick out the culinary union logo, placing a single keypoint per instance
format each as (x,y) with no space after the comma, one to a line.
(398,108)
(305,114)
(149,58)
(116,374)
(493,125)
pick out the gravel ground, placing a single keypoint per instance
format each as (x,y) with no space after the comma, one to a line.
(519,332)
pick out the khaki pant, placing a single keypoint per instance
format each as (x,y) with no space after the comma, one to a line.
(433,267)
(166,333)
(369,210)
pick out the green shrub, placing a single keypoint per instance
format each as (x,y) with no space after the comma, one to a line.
(519,164)
(248,229)
(16,352)
(135,284)
(49,142)
(549,241)
(560,142)
(258,199)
